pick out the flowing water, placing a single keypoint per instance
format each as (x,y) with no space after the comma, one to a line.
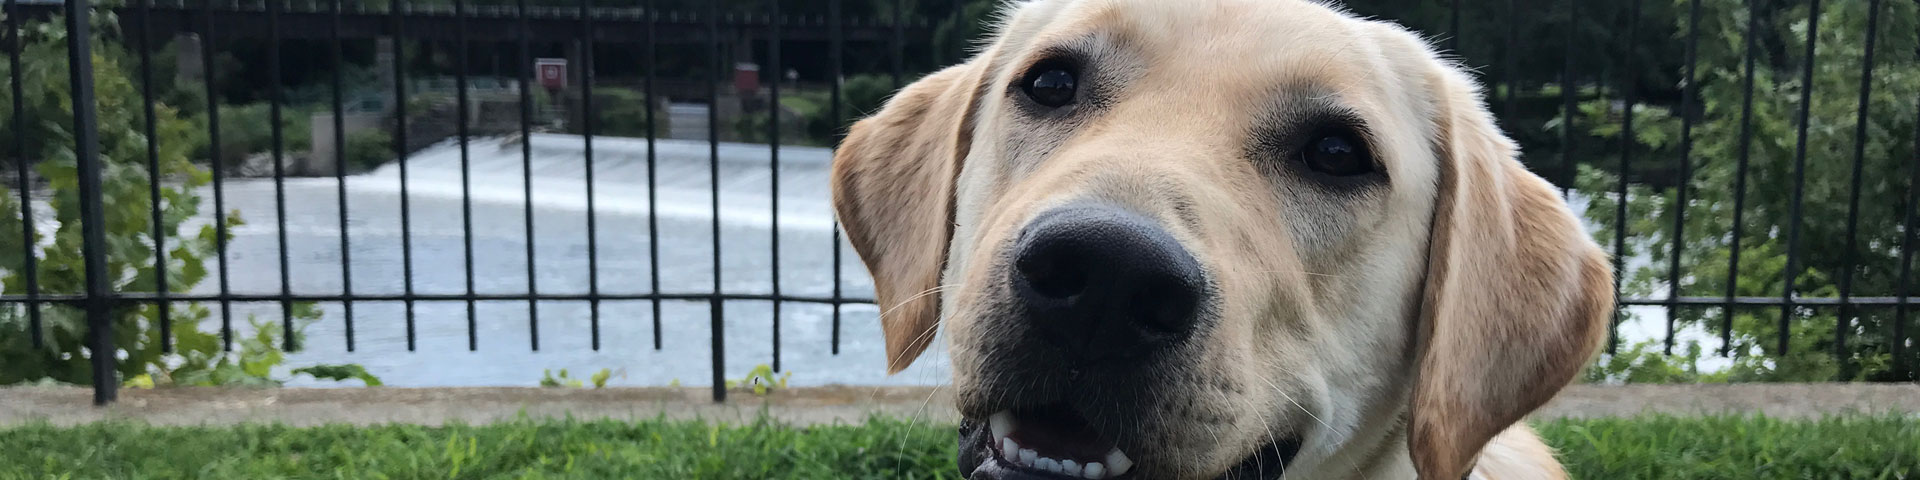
(496,191)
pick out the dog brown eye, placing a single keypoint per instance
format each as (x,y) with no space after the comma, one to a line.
(1052,87)
(1337,154)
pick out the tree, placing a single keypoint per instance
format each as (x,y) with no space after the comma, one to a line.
(1823,251)
(127,189)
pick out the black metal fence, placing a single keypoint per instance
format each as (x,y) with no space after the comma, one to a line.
(585,26)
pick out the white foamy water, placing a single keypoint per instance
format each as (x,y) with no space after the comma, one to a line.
(496,191)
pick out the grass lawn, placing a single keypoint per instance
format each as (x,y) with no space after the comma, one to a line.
(1654,447)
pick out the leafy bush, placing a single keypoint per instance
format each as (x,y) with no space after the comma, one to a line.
(340,373)
(621,112)
(367,149)
(1822,250)
(198,357)
(247,129)
(863,94)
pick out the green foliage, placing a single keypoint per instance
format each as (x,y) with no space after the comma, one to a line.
(247,129)
(863,95)
(761,380)
(811,112)
(599,379)
(881,448)
(367,149)
(622,112)
(1822,250)
(340,373)
(548,380)
(128,217)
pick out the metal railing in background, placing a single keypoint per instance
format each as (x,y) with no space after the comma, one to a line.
(584,24)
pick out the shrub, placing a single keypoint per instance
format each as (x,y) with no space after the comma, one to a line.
(199,357)
(367,149)
(622,112)
(247,129)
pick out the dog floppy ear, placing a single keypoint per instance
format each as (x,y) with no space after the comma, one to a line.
(893,180)
(1517,296)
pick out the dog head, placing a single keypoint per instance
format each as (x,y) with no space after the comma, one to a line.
(1216,238)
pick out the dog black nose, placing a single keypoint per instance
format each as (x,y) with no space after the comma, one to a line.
(1103,282)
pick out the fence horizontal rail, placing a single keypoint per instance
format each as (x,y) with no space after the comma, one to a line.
(149,297)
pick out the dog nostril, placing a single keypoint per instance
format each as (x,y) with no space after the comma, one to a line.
(1166,306)
(1055,273)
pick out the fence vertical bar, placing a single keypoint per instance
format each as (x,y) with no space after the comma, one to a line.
(144,43)
(773,166)
(1626,160)
(1799,178)
(653,224)
(1688,90)
(93,236)
(466,165)
(287,342)
(959,41)
(716,308)
(340,168)
(899,42)
(1568,90)
(836,46)
(23,176)
(586,125)
(1843,321)
(526,168)
(210,79)
(400,157)
(1507,75)
(1453,26)
(1740,181)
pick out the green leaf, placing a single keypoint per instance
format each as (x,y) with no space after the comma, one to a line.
(340,373)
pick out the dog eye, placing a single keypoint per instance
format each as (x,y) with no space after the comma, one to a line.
(1052,86)
(1337,154)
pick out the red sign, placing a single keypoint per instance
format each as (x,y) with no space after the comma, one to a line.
(552,71)
(746,77)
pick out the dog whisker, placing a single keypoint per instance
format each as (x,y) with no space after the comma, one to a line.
(1316,418)
(1317,274)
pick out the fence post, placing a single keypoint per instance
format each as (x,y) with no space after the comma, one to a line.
(86,153)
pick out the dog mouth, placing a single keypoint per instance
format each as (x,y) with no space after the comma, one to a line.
(1053,442)
(1050,442)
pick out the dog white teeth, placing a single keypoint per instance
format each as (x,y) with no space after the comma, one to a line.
(1028,457)
(1069,467)
(1048,464)
(1001,423)
(1118,463)
(1008,448)
(1095,471)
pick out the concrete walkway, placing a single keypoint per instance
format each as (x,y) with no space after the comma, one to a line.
(195,406)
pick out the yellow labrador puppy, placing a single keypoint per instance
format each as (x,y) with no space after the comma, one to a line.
(1221,239)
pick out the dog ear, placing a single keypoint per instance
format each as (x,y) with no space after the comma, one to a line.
(893,180)
(1517,295)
